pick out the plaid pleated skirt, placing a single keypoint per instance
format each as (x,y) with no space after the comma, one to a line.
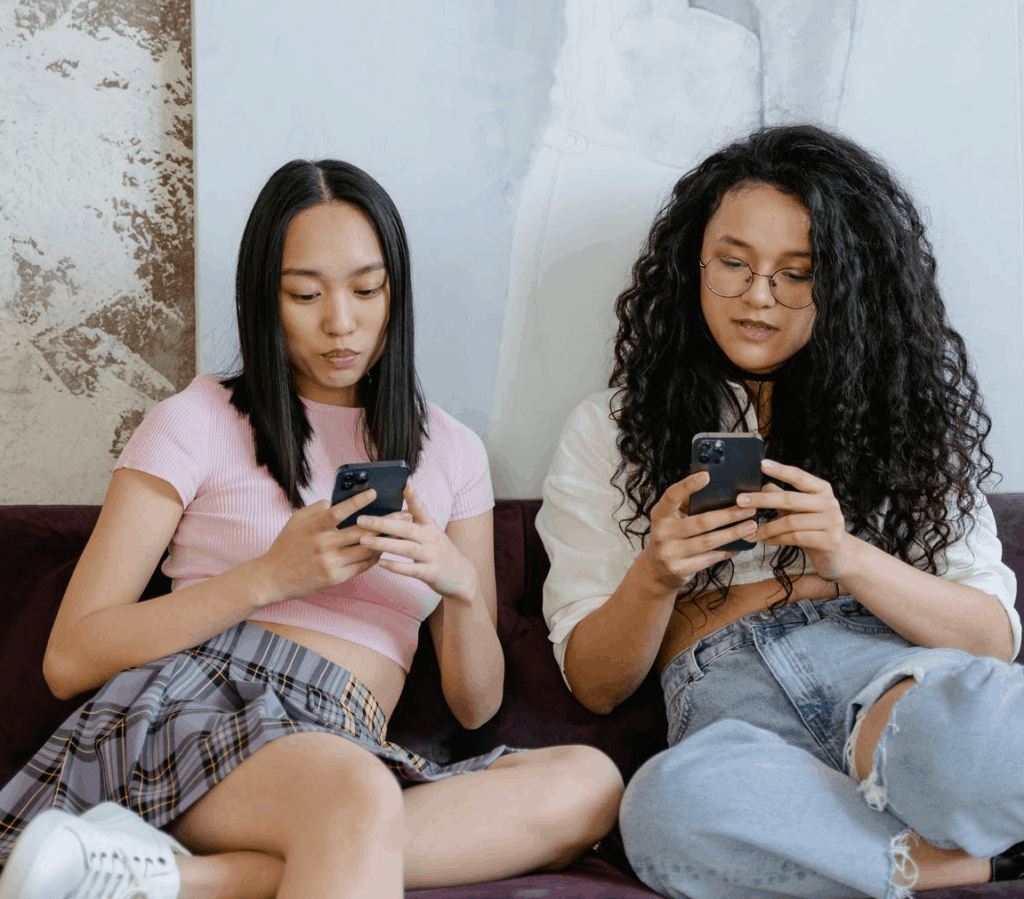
(156,738)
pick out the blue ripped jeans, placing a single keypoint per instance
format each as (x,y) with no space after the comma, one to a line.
(757,796)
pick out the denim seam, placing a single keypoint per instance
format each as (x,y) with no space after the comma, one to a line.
(707,662)
(826,750)
(860,627)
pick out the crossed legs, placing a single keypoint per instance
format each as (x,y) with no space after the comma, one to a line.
(937,765)
(313,814)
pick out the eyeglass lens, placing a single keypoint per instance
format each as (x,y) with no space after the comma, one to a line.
(730,277)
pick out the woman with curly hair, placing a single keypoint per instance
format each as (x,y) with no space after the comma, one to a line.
(837,696)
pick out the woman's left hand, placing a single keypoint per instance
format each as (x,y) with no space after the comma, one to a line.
(809,517)
(433,558)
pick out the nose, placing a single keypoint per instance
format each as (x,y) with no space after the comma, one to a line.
(339,317)
(759,293)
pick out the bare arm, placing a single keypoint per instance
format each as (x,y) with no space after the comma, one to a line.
(464,631)
(458,563)
(102,629)
(923,608)
(610,652)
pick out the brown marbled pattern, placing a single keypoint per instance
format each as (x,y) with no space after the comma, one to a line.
(97,319)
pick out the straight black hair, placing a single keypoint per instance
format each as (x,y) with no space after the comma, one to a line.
(264,390)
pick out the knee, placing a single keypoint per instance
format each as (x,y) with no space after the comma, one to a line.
(581,796)
(681,804)
(590,783)
(960,732)
(658,797)
(660,820)
(362,790)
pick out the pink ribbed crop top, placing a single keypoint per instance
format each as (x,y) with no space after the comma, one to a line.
(197,442)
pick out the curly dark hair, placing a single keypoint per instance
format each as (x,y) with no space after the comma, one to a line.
(882,402)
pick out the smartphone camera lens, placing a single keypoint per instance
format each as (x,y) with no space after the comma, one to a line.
(711,452)
(362,477)
(346,483)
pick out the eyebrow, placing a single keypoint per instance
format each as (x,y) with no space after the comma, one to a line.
(736,242)
(316,273)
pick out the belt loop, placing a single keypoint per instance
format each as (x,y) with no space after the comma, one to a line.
(690,659)
(684,666)
(809,610)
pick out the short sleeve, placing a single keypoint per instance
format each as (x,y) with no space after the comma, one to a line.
(460,453)
(975,560)
(578,522)
(172,444)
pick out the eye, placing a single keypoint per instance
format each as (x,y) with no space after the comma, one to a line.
(795,275)
(729,262)
(304,297)
(370,291)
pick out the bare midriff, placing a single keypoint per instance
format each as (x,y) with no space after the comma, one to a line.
(692,618)
(384,676)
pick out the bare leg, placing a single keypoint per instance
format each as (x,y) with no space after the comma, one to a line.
(329,809)
(230,875)
(531,810)
(937,868)
(334,814)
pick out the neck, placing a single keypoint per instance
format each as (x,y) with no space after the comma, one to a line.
(735,373)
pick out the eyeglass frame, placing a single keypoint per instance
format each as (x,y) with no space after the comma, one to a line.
(771,284)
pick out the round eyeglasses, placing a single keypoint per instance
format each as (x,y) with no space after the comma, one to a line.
(729,277)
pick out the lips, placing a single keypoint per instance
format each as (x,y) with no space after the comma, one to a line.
(757,329)
(340,358)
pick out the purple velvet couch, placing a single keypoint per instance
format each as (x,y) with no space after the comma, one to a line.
(40,544)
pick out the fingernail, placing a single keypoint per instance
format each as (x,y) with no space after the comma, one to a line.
(767,464)
(742,500)
(749,527)
(363,521)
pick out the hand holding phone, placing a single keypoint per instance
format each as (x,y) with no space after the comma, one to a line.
(387,479)
(734,463)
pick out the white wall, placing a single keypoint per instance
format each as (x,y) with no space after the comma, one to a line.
(440,101)
(528,145)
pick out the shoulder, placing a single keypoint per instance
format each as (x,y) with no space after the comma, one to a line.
(176,440)
(598,407)
(446,433)
(205,396)
(590,429)
(454,456)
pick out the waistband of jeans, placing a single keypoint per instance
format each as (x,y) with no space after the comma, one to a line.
(692,661)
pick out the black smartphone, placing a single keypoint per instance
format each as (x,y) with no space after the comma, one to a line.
(734,463)
(387,478)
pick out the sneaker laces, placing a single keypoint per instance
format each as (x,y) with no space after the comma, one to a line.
(114,874)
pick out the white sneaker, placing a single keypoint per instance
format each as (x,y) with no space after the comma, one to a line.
(107,853)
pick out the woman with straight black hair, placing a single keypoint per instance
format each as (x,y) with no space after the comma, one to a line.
(245,712)
(394,407)
(842,717)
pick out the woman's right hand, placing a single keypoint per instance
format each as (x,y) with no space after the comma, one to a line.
(681,545)
(311,554)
